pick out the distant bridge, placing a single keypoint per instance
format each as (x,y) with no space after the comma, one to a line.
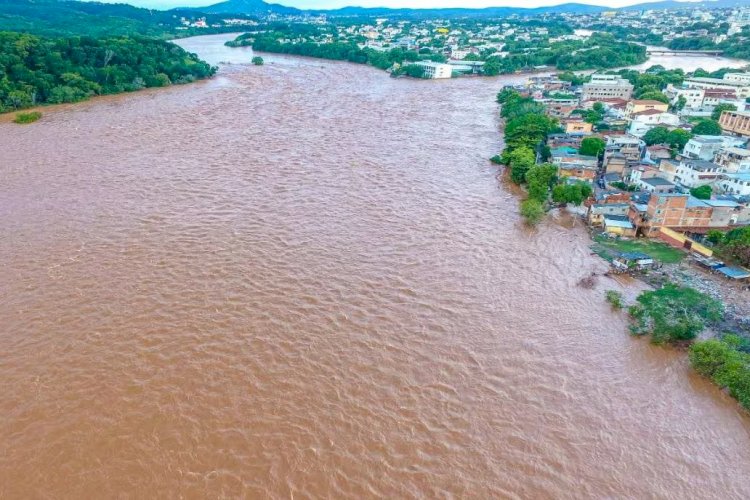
(667,52)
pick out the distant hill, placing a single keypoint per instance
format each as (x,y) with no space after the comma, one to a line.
(252,7)
(65,17)
(259,7)
(459,12)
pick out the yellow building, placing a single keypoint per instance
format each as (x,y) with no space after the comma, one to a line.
(577,127)
(639,106)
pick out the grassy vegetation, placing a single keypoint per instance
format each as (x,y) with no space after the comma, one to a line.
(608,248)
(615,299)
(30,117)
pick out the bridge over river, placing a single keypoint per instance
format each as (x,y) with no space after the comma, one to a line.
(668,52)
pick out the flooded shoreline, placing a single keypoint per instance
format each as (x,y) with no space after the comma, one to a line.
(305,279)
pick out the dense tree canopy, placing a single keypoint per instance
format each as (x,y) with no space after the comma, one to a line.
(35,70)
(592,146)
(720,108)
(539,179)
(574,193)
(736,245)
(677,138)
(702,192)
(707,127)
(673,313)
(654,95)
(657,135)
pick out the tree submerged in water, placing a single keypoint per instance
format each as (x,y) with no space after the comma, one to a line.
(673,314)
(257,60)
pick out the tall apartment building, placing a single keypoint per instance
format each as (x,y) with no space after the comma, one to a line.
(735,122)
(607,87)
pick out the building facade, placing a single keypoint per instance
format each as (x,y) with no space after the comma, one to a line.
(607,87)
(735,122)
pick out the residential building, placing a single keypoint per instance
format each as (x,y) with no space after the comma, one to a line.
(644,121)
(735,122)
(733,160)
(598,211)
(738,77)
(561,158)
(639,106)
(616,163)
(631,147)
(619,225)
(712,97)
(674,211)
(577,127)
(724,213)
(606,87)
(578,172)
(702,147)
(657,153)
(741,88)
(693,96)
(738,184)
(575,166)
(656,185)
(693,173)
(668,169)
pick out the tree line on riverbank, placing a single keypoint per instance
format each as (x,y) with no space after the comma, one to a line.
(525,156)
(38,70)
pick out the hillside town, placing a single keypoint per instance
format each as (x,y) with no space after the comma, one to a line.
(672,166)
(458,46)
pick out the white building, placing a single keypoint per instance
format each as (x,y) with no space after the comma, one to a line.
(693,96)
(703,147)
(436,70)
(738,77)
(733,160)
(645,121)
(607,87)
(741,88)
(738,184)
(693,173)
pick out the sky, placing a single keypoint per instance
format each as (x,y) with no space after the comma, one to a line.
(332,4)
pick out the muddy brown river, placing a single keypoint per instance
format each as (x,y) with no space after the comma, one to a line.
(303,280)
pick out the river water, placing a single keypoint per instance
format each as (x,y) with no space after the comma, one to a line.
(304,280)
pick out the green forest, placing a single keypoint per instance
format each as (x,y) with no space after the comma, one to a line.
(65,18)
(38,70)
